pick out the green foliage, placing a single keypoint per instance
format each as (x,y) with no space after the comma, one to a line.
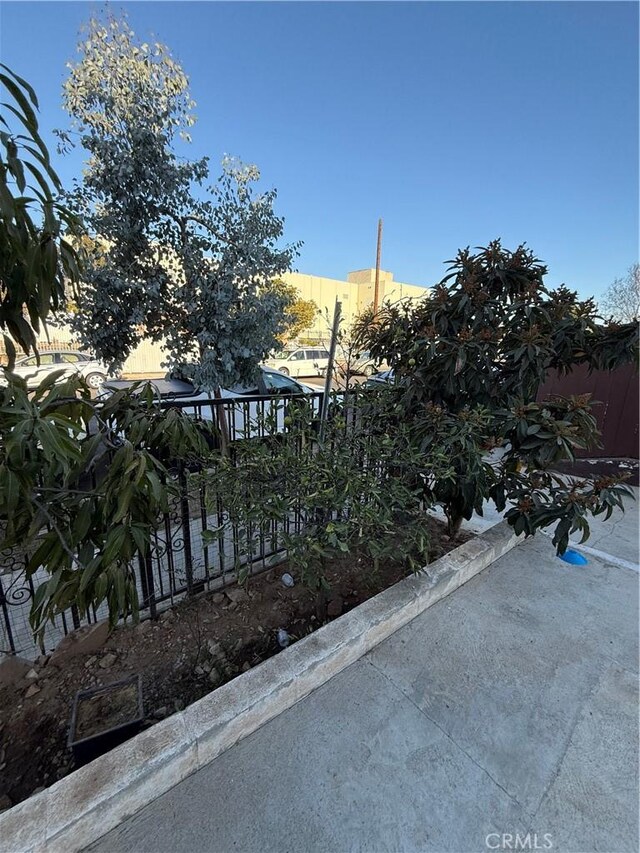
(85,483)
(473,353)
(490,331)
(547,499)
(184,263)
(118,84)
(35,259)
(299,313)
(359,490)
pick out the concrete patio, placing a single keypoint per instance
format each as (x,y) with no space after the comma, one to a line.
(505,714)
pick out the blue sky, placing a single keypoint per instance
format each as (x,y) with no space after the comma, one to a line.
(456,122)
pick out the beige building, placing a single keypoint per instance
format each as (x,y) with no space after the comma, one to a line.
(356,294)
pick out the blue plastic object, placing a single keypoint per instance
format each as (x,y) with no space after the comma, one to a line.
(573,557)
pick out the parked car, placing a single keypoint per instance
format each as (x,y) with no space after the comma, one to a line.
(362,365)
(246,416)
(380,379)
(304,361)
(71,362)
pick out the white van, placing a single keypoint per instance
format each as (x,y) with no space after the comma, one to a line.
(305,361)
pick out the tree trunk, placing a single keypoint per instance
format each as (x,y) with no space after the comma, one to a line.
(454,523)
(322,602)
(223,423)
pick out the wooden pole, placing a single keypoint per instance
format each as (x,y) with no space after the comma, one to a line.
(376,292)
(329,374)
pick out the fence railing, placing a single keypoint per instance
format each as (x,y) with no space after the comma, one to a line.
(178,562)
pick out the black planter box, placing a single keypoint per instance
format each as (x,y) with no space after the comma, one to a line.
(86,748)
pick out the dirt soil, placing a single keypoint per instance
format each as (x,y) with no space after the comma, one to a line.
(193,648)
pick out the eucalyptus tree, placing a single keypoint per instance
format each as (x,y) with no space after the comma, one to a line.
(180,260)
(83,484)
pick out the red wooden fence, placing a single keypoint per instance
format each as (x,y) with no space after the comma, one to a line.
(617,415)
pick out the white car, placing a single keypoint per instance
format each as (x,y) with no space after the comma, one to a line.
(249,408)
(71,362)
(304,361)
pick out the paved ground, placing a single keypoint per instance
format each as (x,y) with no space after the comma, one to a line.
(508,708)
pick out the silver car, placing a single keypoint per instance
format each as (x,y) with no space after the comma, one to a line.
(246,407)
(71,362)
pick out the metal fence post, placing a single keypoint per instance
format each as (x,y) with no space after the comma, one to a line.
(7,621)
(186,529)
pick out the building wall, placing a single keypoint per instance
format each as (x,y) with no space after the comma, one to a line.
(356,294)
(145,359)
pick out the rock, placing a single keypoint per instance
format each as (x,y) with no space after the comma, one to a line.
(283,638)
(287,580)
(107,661)
(199,670)
(206,666)
(215,649)
(167,616)
(178,704)
(218,598)
(42,660)
(161,713)
(237,594)
(334,608)
(233,605)
(32,675)
(13,669)
(143,627)
(32,691)
(214,676)
(90,661)
(84,641)
(5,802)
(246,666)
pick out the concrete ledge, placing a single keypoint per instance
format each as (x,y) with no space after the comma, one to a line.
(90,802)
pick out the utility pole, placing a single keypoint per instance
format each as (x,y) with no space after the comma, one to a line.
(376,292)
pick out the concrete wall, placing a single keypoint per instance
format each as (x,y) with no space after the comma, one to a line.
(356,294)
(145,359)
(388,289)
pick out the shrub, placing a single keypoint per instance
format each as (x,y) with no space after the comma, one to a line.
(474,352)
(84,484)
(357,489)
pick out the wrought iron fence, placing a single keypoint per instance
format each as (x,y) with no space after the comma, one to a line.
(178,563)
